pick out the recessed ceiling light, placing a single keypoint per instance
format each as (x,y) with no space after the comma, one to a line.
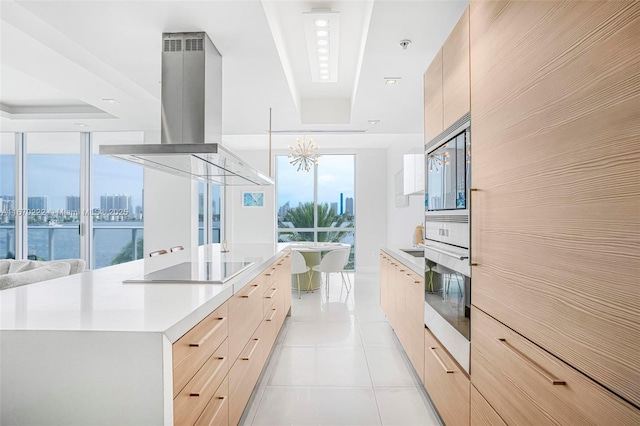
(323,50)
(323,42)
(324,71)
(321,23)
(80,124)
(111,101)
(324,77)
(323,58)
(322,33)
(391,80)
(323,65)
(322,36)
(374,122)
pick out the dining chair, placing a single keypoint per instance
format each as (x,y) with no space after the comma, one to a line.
(334,261)
(157,253)
(343,272)
(299,266)
(176,248)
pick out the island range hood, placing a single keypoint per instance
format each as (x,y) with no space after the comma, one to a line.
(191,126)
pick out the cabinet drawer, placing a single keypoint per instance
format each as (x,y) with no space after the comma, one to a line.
(195,396)
(269,297)
(217,411)
(245,314)
(445,382)
(197,345)
(527,385)
(482,414)
(244,375)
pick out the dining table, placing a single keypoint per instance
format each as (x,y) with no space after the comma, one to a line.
(312,253)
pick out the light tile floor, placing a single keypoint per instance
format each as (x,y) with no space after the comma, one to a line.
(338,362)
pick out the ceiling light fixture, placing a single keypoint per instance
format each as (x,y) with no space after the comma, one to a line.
(374,122)
(322,30)
(302,155)
(111,101)
(80,124)
(391,80)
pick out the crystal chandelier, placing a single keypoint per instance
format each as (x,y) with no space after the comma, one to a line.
(302,155)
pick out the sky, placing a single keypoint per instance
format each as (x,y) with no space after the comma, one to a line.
(336,174)
(58,175)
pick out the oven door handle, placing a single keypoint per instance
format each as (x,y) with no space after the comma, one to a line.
(448,253)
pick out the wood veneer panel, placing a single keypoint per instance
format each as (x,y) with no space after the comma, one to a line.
(455,72)
(514,376)
(482,414)
(433,112)
(555,95)
(449,391)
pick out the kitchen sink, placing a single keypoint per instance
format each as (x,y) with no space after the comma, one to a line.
(416,252)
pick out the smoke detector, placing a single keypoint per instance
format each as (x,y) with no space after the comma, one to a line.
(405,43)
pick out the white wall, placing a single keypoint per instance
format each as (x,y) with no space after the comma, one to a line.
(170,208)
(402,221)
(255,224)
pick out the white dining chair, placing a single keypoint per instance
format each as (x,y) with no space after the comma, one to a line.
(299,266)
(346,254)
(334,261)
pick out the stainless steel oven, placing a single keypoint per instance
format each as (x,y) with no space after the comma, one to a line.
(447,239)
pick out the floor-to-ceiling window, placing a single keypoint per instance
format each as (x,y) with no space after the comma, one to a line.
(317,205)
(214,210)
(53,195)
(117,203)
(7,196)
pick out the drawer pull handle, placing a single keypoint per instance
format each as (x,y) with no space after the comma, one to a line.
(273,314)
(270,272)
(253,349)
(435,354)
(246,296)
(214,417)
(209,333)
(211,377)
(275,290)
(550,377)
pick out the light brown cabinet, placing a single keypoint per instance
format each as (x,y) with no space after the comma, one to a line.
(527,385)
(407,307)
(447,91)
(433,111)
(556,161)
(447,384)
(455,73)
(482,414)
(217,363)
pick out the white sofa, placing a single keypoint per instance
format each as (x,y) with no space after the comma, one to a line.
(14,273)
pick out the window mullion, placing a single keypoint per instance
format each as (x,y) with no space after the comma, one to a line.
(20,221)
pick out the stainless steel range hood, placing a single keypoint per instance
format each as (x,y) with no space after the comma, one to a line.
(191,126)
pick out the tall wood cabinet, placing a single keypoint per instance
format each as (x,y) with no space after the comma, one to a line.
(555,103)
(447,82)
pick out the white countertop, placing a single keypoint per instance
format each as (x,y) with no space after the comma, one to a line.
(98,300)
(415,263)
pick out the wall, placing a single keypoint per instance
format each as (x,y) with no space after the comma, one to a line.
(402,221)
(170,208)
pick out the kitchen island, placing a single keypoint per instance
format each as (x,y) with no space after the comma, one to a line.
(91,349)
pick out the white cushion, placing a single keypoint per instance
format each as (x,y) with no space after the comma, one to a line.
(43,273)
(4,266)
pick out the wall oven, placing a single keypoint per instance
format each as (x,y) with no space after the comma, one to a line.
(447,239)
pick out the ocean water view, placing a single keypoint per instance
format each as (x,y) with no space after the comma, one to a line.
(50,242)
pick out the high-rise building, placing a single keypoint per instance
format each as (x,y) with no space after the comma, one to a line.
(116,204)
(341,204)
(38,203)
(283,210)
(334,207)
(72,203)
(349,206)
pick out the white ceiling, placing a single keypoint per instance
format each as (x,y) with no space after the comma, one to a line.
(59,60)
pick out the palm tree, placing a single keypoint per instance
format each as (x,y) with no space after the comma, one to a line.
(126,254)
(302,217)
